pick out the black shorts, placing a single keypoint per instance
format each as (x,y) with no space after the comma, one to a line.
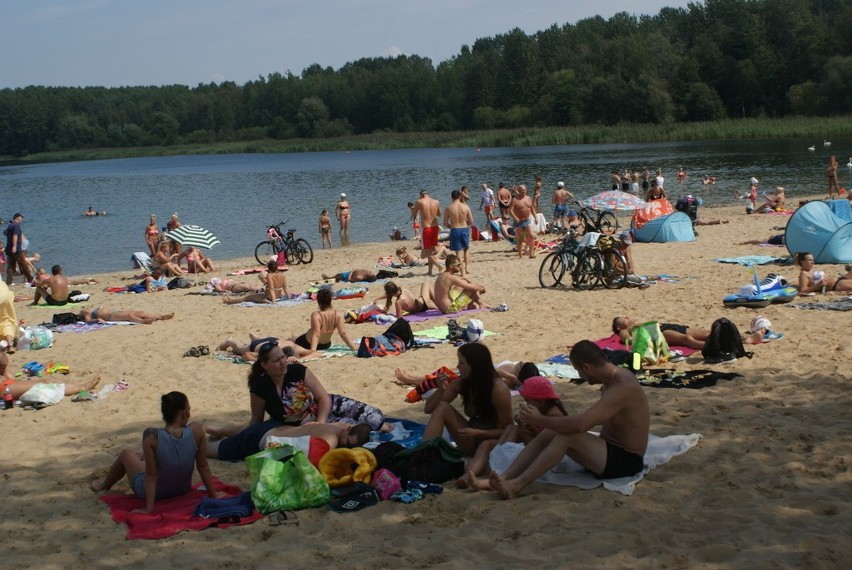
(51,301)
(621,463)
(303,342)
(778,239)
(672,327)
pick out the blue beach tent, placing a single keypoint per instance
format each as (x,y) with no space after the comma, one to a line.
(672,227)
(816,229)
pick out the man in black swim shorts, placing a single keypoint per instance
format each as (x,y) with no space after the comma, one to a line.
(679,335)
(622,412)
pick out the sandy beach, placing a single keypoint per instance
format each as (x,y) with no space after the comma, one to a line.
(767,486)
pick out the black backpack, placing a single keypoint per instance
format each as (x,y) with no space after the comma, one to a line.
(65,318)
(724,342)
(402,330)
(432,461)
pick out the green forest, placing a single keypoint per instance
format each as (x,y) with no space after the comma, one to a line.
(712,61)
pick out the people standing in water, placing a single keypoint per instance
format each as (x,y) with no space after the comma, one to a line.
(152,235)
(415,224)
(831,174)
(536,197)
(343,212)
(325,229)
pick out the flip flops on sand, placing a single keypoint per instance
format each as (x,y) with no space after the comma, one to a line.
(197,351)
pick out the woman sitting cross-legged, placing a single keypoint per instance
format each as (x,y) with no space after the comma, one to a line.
(164,468)
(291,395)
(486,400)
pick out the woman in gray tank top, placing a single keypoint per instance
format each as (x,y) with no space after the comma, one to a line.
(169,454)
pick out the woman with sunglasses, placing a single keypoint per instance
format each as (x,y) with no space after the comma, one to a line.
(291,395)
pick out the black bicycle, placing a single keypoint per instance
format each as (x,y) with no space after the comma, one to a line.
(596,221)
(589,267)
(296,250)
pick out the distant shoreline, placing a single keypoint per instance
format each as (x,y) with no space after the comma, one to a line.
(818,128)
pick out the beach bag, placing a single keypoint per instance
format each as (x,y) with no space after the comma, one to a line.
(402,330)
(65,318)
(648,342)
(36,338)
(385,483)
(382,345)
(282,479)
(179,283)
(724,341)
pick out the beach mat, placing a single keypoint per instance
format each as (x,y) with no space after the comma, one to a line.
(171,516)
(843,304)
(750,259)
(435,314)
(669,378)
(568,472)
(442,331)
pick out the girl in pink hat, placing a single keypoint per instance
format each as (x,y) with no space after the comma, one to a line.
(537,391)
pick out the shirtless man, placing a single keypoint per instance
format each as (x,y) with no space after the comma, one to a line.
(102,315)
(429,210)
(521,210)
(451,293)
(560,204)
(459,218)
(504,199)
(679,335)
(622,412)
(487,203)
(615,180)
(56,289)
(354,276)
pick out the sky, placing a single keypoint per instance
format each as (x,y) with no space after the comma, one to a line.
(164,42)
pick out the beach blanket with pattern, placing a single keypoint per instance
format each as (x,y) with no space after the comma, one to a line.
(440,332)
(667,378)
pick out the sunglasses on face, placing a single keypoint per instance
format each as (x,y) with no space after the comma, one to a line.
(266,347)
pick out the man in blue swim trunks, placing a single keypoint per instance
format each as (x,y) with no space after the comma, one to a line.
(459,218)
(522,210)
(622,412)
(560,204)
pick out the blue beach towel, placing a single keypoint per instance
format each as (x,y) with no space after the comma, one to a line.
(749,259)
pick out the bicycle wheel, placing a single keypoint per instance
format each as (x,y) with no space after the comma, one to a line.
(614,269)
(551,271)
(607,223)
(585,271)
(264,251)
(307,252)
(294,253)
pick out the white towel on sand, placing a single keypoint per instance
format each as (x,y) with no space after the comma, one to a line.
(569,472)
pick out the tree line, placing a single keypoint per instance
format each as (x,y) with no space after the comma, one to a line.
(712,60)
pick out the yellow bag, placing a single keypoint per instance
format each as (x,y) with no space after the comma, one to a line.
(342,467)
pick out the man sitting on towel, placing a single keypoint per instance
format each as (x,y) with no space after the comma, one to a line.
(56,290)
(622,411)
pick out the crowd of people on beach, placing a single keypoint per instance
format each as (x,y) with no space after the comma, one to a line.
(286,398)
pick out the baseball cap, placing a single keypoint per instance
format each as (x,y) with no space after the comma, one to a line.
(342,195)
(537,388)
(560,184)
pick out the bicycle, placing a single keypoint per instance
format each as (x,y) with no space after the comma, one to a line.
(295,250)
(596,221)
(601,264)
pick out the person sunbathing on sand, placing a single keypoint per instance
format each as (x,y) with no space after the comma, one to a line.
(811,281)
(164,467)
(338,434)
(102,315)
(275,286)
(680,335)
(323,324)
(354,276)
(403,301)
(19,387)
(230,286)
(537,392)
(248,351)
(405,258)
(622,412)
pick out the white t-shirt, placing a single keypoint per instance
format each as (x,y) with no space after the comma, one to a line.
(488,197)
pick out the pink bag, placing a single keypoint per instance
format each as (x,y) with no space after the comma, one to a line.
(386,483)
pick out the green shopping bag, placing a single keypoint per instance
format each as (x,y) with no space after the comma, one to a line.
(282,479)
(648,341)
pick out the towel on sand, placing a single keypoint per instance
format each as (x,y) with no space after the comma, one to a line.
(843,304)
(613,342)
(171,515)
(435,314)
(568,472)
(749,259)
(405,432)
(440,332)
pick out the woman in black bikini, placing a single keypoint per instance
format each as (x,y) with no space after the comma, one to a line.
(406,303)
(323,324)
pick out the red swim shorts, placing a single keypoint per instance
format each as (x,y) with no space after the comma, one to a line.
(430,237)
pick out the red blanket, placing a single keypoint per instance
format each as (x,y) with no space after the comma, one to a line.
(171,515)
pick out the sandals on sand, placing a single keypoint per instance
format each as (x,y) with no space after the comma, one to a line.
(280,518)
(197,351)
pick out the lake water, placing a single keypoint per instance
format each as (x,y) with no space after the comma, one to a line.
(235,196)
